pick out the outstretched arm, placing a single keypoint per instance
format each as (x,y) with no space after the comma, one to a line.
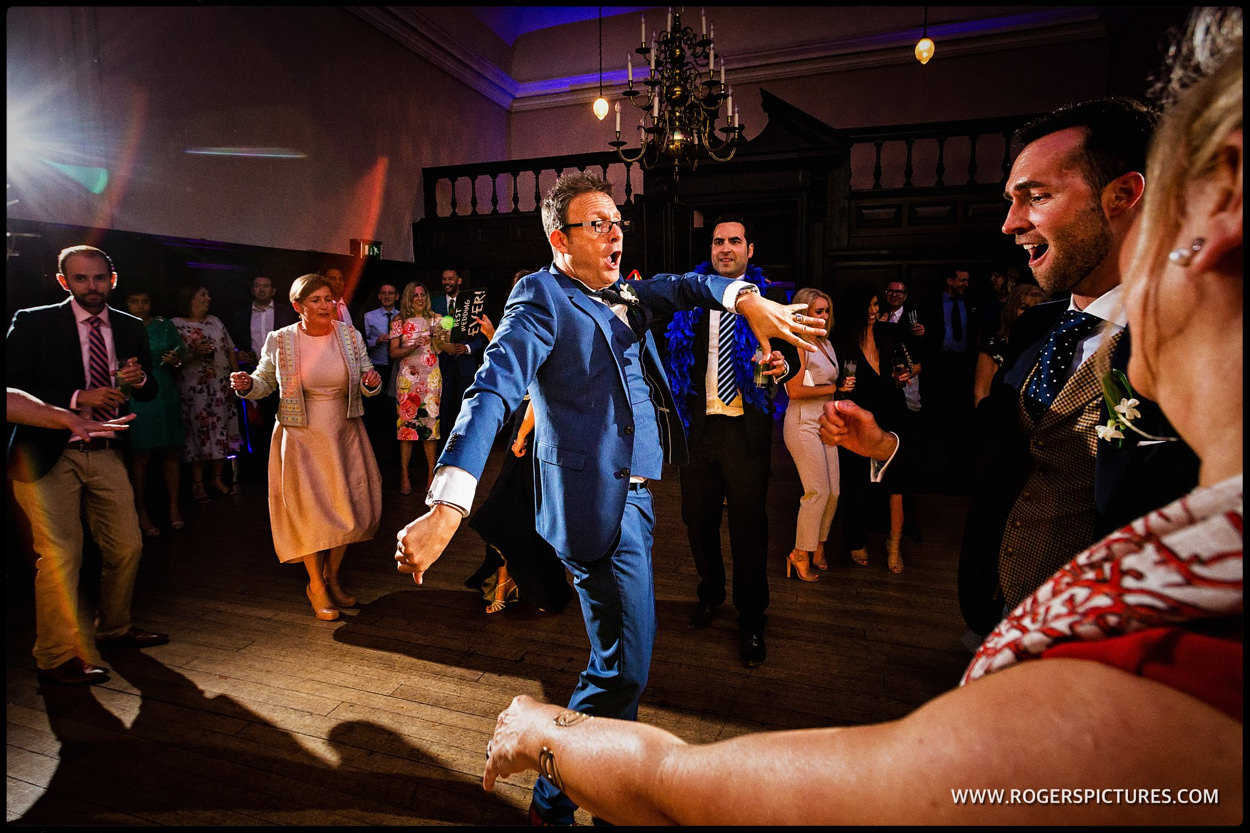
(23,409)
(1054,720)
(769,319)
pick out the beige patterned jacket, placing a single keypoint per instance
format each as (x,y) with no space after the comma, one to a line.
(279,369)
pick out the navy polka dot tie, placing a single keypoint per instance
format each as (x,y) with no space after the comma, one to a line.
(1054,365)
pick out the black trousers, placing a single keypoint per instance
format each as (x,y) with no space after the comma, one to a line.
(258,434)
(724,472)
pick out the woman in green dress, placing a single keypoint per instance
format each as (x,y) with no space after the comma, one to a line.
(157,428)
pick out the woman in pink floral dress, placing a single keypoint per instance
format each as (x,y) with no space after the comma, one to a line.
(210,413)
(417,335)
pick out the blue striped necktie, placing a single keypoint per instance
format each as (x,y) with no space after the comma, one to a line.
(99,375)
(726,383)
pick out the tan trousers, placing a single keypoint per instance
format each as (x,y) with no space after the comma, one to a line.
(93,483)
(818,471)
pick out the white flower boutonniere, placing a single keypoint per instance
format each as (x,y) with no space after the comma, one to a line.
(1122,411)
(627,292)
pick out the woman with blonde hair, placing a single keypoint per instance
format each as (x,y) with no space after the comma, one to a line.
(324,487)
(815,384)
(417,336)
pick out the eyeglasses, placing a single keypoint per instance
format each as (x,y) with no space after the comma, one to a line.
(896,292)
(600,226)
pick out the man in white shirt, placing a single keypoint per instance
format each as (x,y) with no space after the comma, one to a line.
(249,327)
(380,412)
(337,287)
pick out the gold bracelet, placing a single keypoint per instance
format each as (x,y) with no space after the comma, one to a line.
(547,768)
(570,718)
(547,759)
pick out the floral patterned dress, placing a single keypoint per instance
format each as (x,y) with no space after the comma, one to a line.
(210,411)
(418,382)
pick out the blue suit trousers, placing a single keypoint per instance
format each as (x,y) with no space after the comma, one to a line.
(617,595)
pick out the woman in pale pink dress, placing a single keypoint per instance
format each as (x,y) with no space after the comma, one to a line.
(324,488)
(417,336)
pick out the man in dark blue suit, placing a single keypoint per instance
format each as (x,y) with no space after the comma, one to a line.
(579,340)
(83,355)
(459,362)
(1044,486)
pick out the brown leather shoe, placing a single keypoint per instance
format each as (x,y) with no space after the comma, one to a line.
(134,638)
(74,671)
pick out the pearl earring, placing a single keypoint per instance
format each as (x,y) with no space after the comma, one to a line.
(1182,257)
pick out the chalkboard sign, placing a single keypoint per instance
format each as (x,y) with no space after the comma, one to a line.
(473,305)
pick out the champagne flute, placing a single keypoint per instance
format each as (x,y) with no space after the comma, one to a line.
(848,372)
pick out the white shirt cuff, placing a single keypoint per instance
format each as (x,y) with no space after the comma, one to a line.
(730,299)
(454,487)
(876,468)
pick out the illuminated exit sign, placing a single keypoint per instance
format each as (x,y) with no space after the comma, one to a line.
(366,248)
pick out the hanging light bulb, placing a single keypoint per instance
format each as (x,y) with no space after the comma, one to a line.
(600,106)
(924,47)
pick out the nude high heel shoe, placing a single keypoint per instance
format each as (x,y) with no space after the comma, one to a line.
(325,614)
(801,565)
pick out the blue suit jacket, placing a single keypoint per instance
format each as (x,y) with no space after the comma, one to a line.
(555,341)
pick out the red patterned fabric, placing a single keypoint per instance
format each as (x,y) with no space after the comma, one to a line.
(1206,667)
(1179,564)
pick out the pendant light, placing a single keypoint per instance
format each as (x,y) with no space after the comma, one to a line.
(924,47)
(601,104)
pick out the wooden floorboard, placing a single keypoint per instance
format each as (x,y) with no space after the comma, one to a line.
(259,714)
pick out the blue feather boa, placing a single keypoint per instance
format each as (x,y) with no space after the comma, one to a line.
(679,360)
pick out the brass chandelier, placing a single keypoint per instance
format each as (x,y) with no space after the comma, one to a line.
(681,107)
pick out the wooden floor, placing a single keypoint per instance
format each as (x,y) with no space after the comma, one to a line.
(257,713)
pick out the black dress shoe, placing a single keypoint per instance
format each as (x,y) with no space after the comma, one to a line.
(134,638)
(75,671)
(753,649)
(702,617)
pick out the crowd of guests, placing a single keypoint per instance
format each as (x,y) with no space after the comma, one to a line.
(1028,370)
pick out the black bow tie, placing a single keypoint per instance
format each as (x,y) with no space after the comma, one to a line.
(611,294)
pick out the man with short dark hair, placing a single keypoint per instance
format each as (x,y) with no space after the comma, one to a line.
(338,286)
(1044,485)
(952,326)
(83,355)
(380,411)
(459,362)
(249,327)
(730,422)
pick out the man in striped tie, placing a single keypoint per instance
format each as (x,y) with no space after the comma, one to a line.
(83,355)
(729,422)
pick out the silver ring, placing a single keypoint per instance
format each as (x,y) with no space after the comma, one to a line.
(796,317)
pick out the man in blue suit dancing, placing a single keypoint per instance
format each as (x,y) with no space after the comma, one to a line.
(578,339)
